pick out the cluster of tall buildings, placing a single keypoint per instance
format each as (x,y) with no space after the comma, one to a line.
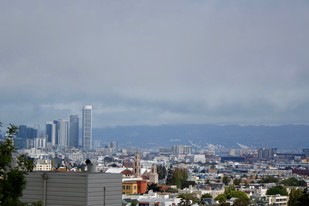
(62,133)
(65,133)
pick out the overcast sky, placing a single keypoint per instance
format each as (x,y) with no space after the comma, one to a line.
(155,62)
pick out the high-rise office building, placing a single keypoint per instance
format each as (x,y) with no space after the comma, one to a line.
(51,128)
(63,132)
(23,135)
(87,127)
(25,132)
(267,153)
(74,130)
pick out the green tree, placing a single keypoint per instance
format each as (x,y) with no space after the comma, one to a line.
(292,181)
(188,199)
(237,194)
(161,172)
(221,198)
(277,190)
(295,196)
(12,170)
(169,178)
(180,176)
(154,187)
(304,199)
(226,180)
(206,196)
(241,202)
(269,179)
(237,181)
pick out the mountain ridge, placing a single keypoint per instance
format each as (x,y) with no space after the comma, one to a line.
(281,136)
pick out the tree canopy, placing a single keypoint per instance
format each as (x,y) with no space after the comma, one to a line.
(13,168)
(188,199)
(161,172)
(177,176)
(292,181)
(242,198)
(277,190)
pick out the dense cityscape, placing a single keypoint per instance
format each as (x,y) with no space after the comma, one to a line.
(178,175)
(154,103)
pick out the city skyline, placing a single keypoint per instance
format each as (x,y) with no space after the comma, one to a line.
(155,62)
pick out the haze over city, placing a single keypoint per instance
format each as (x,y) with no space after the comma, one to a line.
(155,62)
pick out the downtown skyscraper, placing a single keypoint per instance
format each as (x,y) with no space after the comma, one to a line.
(51,132)
(74,130)
(87,127)
(63,132)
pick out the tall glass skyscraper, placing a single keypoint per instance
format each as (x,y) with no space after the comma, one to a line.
(74,130)
(63,132)
(51,132)
(87,127)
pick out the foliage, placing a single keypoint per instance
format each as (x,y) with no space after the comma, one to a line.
(154,187)
(134,202)
(226,180)
(169,178)
(292,181)
(269,179)
(237,194)
(299,197)
(229,192)
(179,177)
(229,189)
(161,172)
(241,202)
(277,190)
(221,198)
(237,181)
(188,199)
(304,199)
(187,184)
(172,190)
(294,196)
(206,196)
(12,170)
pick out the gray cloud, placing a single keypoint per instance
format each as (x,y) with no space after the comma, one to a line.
(155,62)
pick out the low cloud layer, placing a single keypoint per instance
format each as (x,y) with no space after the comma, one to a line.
(155,62)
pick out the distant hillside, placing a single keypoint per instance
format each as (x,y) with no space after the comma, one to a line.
(284,136)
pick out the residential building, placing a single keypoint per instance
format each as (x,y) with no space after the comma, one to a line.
(278,200)
(43,165)
(182,149)
(133,187)
(267,153)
